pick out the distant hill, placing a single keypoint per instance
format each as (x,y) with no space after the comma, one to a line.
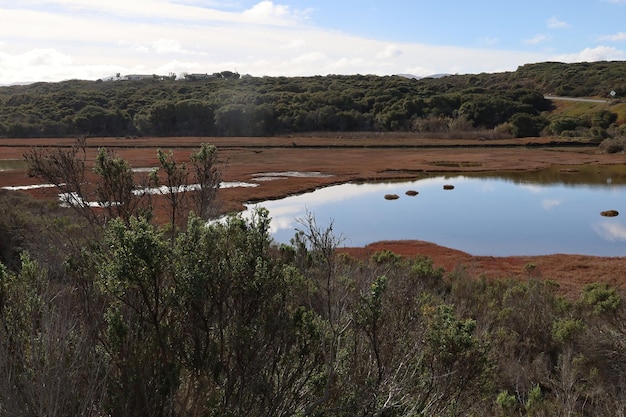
(584,79)
(415,77)
(514,102)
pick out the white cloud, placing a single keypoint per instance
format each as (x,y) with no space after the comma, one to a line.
(539,38)
(420,71)
(311,58)
(169,46)
(268,12)
(294,44)
(47,61)
(555,23)
(158,37)
(489,40)
(390,51)
(618,37)
(349,65)
(163,46)
(599,53)
(264,12)
(142,49)
(135,8)
(44,58)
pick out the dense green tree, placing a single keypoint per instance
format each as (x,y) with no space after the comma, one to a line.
(193,117)
(97,121)
(566,123)
(232,120)
(162,118)
(134,276)
(526,125)
(251,106)
(242,330)
(489,111)
(603,118)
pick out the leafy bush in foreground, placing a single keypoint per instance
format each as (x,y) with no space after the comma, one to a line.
(209,320)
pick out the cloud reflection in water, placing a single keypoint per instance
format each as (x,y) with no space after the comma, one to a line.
(481,216)
(286,212)
(612,231)
(550,203)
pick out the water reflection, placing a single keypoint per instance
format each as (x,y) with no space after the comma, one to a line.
(613,232)
(570,175)
(73,199)
(481,216)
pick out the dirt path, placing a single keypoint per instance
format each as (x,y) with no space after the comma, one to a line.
(370,157)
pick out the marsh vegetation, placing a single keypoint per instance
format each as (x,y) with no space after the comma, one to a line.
(180,318)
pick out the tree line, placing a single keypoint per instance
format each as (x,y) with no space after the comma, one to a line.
(112,311)
(265,106)
(253,106)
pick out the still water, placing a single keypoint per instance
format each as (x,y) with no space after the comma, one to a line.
(524,214)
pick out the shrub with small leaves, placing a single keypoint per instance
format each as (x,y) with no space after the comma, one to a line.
(601,297)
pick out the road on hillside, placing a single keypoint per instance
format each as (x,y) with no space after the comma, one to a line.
(587,100)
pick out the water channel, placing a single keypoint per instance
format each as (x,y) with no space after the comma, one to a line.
(523,213)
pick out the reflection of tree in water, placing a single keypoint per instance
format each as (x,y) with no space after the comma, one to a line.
(574,175)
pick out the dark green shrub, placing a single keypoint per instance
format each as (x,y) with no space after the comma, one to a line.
(385,256)
(526,125)
(601,297)
(603,118)
(598,134)
(560,124)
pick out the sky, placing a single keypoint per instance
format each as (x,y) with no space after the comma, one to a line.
(55,40)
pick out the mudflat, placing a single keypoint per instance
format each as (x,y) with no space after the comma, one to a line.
(356,157)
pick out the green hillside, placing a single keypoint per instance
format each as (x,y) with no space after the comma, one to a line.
(227,104)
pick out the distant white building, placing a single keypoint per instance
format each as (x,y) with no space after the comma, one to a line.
(197,77)
(137,77)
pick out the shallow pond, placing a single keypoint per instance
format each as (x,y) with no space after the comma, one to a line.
(544,212)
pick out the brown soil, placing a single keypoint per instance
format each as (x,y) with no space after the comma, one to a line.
(373,157)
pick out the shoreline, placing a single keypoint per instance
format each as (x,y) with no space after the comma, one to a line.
(358,160)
